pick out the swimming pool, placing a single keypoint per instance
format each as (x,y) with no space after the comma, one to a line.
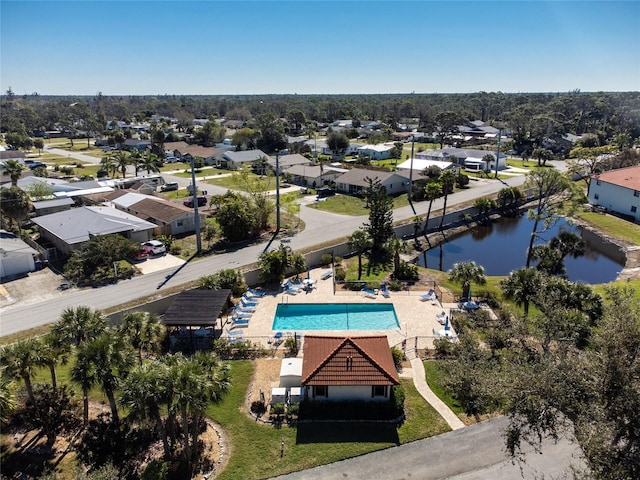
(335,316)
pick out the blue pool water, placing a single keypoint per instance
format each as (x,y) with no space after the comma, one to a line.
(335,316)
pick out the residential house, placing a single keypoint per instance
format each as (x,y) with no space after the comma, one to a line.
(16,257)
(320,147)
(136,144)
(469,159)
(185,152)
(47,207)
(170,218)
(348,368)
(233,124)
(617,191)
(287,161)
(71,229)
(313,175)
(235,160)
(376,152)
(420,164)
(355,180)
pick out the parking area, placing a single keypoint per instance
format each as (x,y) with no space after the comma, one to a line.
(159,262)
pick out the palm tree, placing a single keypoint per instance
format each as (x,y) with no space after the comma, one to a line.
(467,273)
(522,286)
(7,397)
(122,160)
(111,360)
(148,162)
(143,391)
(77,326)
(109,165)
(83,373)
(361,242)
(14,169)
(568,244)
(20,359)
(447,180)
(142,329)
(52,353)
(432,191)
(396,246)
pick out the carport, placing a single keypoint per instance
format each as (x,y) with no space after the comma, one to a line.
(193,317)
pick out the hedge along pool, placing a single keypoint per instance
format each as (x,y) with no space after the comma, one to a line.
(335,316)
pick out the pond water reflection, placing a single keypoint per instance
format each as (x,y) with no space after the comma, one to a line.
(501,247)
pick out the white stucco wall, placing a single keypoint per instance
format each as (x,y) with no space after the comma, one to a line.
(615,198)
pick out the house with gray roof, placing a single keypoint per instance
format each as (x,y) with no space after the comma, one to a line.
(235,160)
(312,176)
(49,206)
(71,229)
(287,161)
(355,181)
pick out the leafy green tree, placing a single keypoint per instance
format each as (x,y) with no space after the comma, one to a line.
(447,180)
(148,162)
(446,126)
(361,242)
(547,185)
(235,216)
(337,143)
(271,132)
(245,138)
(15,205)
(522,286)
(122,160)
(258,191)
(108,165)
(39,191)
(222,279)
(275,264)
(39,144)
(297,120)
(467,273)
(396,246)
(53,352)
(380,226)
(14,170)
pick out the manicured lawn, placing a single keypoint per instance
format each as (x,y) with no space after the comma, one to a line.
(255,447)
(613,226)
(512,162)
(635,284)
(266,182)
(203,172)
(350,205)
(435,379)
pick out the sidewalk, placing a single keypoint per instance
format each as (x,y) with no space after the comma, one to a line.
(420,382)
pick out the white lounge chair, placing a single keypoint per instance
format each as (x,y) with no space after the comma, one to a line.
(255,293)
(383,290)
(290,290)
(369,293)
(248,304)
(231,333)
(430,295)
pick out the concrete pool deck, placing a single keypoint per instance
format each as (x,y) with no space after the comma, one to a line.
(417,318)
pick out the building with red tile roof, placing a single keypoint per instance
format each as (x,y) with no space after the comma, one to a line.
(617,191)
(348,368)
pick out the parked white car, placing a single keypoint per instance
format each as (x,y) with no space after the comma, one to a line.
(154,247)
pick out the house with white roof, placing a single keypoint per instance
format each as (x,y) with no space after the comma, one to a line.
(376,152)
(469,159)
(420,164)
(16,257)
(313,175)
(618,191)
(71,229)
(235,160)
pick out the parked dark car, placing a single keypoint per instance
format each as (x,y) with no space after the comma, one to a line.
(167,187)
(202,201)
(325,192)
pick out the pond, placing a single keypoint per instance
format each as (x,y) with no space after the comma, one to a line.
(501,247)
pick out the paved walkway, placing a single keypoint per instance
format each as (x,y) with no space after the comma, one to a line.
(420,382)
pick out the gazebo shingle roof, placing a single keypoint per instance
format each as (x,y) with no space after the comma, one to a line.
(196,308)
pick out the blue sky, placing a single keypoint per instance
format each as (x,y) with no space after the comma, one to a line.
(242,47)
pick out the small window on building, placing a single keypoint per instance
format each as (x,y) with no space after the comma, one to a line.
(320,391)
(379,391)
(598,182)
(636,193)
(596,196)
(179,223)
(634,209)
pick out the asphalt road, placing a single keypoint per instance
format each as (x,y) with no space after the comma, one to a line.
(476,452)
(321,227)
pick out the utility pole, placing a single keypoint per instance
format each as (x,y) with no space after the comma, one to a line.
(194,197)
(498,152)
(277,192)
(413,142)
